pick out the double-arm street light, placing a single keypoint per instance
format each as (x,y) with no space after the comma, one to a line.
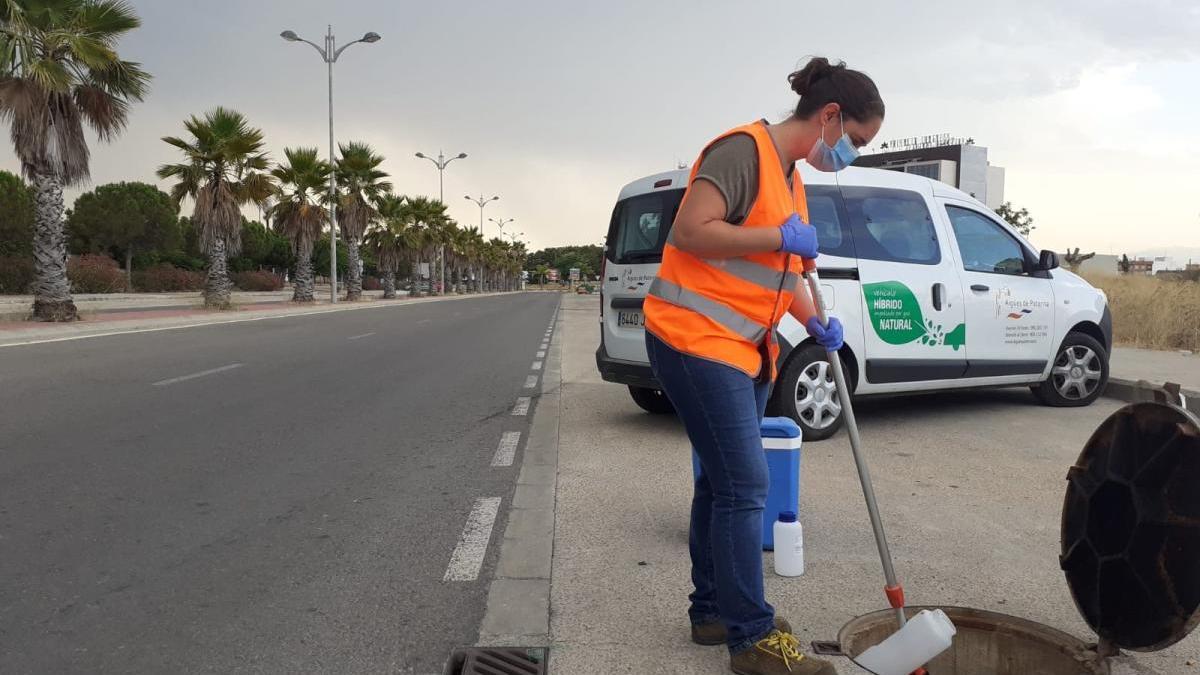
(500,223)
(330,53)
(482,203)
(441,163)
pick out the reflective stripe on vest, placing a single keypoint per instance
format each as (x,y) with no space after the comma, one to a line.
(711,309)
(748,270)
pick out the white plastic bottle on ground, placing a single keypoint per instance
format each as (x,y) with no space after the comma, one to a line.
(923,637)
(789,545)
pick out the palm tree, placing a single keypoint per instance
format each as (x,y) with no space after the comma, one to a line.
(59,70)
(360,184)
(298,214)
(224,169)
(473,248)
(392,239)
(430,217)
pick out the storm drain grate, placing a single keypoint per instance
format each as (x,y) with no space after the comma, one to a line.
(498,661)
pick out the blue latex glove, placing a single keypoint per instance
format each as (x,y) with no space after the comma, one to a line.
(830,337)
(799,238)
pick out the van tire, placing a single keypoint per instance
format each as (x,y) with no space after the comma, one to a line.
(1082,363)
(806,364)
(653,401)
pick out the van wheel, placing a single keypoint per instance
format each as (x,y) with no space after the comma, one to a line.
(1079,373)
(807,393)
(653,401)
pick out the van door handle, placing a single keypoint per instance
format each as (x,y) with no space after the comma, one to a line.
(939,291)
(979,287)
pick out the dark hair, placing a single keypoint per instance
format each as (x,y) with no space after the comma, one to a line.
(820,83)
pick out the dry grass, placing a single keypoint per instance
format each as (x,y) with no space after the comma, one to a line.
(1153,313)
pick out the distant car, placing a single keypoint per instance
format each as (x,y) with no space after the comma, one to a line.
(934,290)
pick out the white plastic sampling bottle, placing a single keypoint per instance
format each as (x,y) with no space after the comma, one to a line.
(923,637)
(789,545)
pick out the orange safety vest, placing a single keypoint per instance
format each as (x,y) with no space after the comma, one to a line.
(724,309)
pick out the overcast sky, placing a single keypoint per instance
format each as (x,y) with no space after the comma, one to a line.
(1090,105)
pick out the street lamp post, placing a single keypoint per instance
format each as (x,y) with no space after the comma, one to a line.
(513,239)
(442,162)
(329,54)
(500,223)
(482,203)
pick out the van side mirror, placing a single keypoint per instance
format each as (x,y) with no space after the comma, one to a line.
(1047,260)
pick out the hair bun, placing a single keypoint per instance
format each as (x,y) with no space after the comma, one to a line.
(817,68)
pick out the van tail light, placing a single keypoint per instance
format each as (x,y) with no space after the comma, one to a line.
(603,268)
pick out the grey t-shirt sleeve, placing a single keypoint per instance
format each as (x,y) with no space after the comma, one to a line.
(731,165)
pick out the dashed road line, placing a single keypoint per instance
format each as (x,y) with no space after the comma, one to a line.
(468,555)
(530,381)
(541,354)
(507,448)
(522,406)
(359,337)
(203,373)
(537,365)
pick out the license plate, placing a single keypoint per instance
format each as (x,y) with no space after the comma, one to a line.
(631,319)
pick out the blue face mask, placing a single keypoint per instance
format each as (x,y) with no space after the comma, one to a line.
(841,155)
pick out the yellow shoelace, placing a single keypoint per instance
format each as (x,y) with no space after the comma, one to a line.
(782,645)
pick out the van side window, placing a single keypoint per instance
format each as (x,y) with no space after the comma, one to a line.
(891,225)
(828,216)
(984,245)
(641,225)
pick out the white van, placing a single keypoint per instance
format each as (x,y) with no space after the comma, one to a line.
(934,290)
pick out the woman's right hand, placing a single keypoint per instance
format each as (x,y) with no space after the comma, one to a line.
(798,237)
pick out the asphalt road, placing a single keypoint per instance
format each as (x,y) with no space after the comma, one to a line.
(286,498)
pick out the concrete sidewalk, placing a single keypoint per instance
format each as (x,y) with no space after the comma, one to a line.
(1130,368)
(16,307)
(970,484)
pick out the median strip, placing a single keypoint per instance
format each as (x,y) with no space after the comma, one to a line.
(507,448)
(203,373)
(468,555)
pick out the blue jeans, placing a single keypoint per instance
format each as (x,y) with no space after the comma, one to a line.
(722,409)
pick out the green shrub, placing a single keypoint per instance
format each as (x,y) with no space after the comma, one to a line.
(95,273)
(164,277)
(16,274)
(257,281)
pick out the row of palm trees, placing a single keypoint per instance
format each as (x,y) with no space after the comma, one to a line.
(60,71)
(226,168)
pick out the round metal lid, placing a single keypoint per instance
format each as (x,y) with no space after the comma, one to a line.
(1131,527)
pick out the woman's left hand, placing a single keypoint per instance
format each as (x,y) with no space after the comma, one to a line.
(830,337)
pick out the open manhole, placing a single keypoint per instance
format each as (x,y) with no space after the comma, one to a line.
(497,661)
(1130,552)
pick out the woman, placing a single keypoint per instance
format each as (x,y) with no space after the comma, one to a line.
(730,269)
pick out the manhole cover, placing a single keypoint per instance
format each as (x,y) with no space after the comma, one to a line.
(497,661)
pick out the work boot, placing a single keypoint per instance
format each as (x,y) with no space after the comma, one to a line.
(778,654)
(713,633)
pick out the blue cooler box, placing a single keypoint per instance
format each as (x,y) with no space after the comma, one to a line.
(781,443)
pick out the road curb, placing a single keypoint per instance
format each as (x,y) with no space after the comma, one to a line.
(518,602)
(1134,391)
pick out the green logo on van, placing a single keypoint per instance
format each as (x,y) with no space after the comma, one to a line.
(897,319)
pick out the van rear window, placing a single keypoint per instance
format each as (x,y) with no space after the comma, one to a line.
(640,226)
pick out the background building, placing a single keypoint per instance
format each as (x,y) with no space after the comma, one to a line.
(955,161)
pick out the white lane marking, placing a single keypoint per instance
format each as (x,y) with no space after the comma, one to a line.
(530,381)
(468,555)
(522,406)
(422,322)
(537,365)
(211,371)
(541,354)
(507,448)
(359,337)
